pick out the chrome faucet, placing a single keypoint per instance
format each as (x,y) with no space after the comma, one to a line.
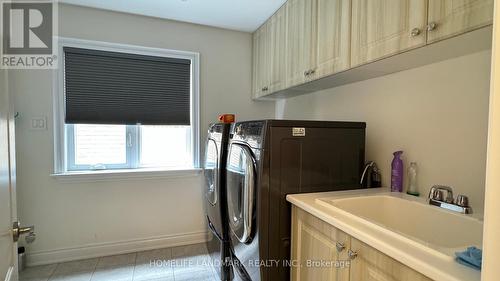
(437,198)
(370,176)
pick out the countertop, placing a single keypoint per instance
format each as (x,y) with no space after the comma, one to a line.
(413,255)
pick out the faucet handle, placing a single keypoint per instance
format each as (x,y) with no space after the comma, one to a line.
(438,189)
(436,194)
(462,201)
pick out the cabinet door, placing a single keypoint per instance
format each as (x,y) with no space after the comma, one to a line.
(332,40)
(386,27)
(277,51)
(372,265)
(260,64)
(452,17)
(255,64)
(299,25)
(314,250)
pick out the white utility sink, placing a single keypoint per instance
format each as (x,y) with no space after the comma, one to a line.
(412,218)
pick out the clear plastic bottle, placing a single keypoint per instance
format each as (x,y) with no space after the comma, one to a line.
(412,179)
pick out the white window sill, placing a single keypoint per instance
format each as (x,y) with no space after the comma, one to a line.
(125,174)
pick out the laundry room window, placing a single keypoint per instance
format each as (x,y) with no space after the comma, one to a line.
(104,147)
(126,107)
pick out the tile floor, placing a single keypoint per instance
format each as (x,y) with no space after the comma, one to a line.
(179,263)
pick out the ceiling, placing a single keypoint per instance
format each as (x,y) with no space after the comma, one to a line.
(242,15)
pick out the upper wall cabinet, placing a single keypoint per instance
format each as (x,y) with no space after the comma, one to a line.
(308,40)
(299,40)
(277,42)
(269,55)
(332,36)
(452,17)
(260,66)
(318,39)
(386,27)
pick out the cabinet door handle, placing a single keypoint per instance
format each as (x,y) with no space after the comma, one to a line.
(352,254)
(307,72)
(312,71)
(431,26)
(265,89)
(340,246)
(415,32)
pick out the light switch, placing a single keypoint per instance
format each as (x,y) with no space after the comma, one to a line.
(39,123)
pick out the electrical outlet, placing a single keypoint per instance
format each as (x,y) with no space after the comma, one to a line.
(39,123)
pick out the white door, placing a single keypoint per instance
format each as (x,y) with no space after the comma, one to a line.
(8,248)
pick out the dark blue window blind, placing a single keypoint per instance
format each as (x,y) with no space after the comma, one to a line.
(104,87)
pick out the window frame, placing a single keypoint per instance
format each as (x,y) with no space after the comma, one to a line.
(131,132)
(61,138)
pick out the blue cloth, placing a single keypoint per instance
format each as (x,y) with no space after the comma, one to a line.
(472,257)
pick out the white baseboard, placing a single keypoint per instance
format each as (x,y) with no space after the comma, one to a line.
(114,248)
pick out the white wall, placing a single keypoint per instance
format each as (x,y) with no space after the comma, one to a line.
(74,220)
(437,114)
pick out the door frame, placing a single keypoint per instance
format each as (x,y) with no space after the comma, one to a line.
(12,169)
(491,243)
(12,272)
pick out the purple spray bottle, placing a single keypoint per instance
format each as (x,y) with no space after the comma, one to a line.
(397,172)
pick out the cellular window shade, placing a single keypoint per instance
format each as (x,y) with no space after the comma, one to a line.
(104,87)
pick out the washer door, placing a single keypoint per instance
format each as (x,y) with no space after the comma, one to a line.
(211,169)
(241,191)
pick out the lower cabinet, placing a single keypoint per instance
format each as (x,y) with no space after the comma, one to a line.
(324,253)
(372,265)
(316,248)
